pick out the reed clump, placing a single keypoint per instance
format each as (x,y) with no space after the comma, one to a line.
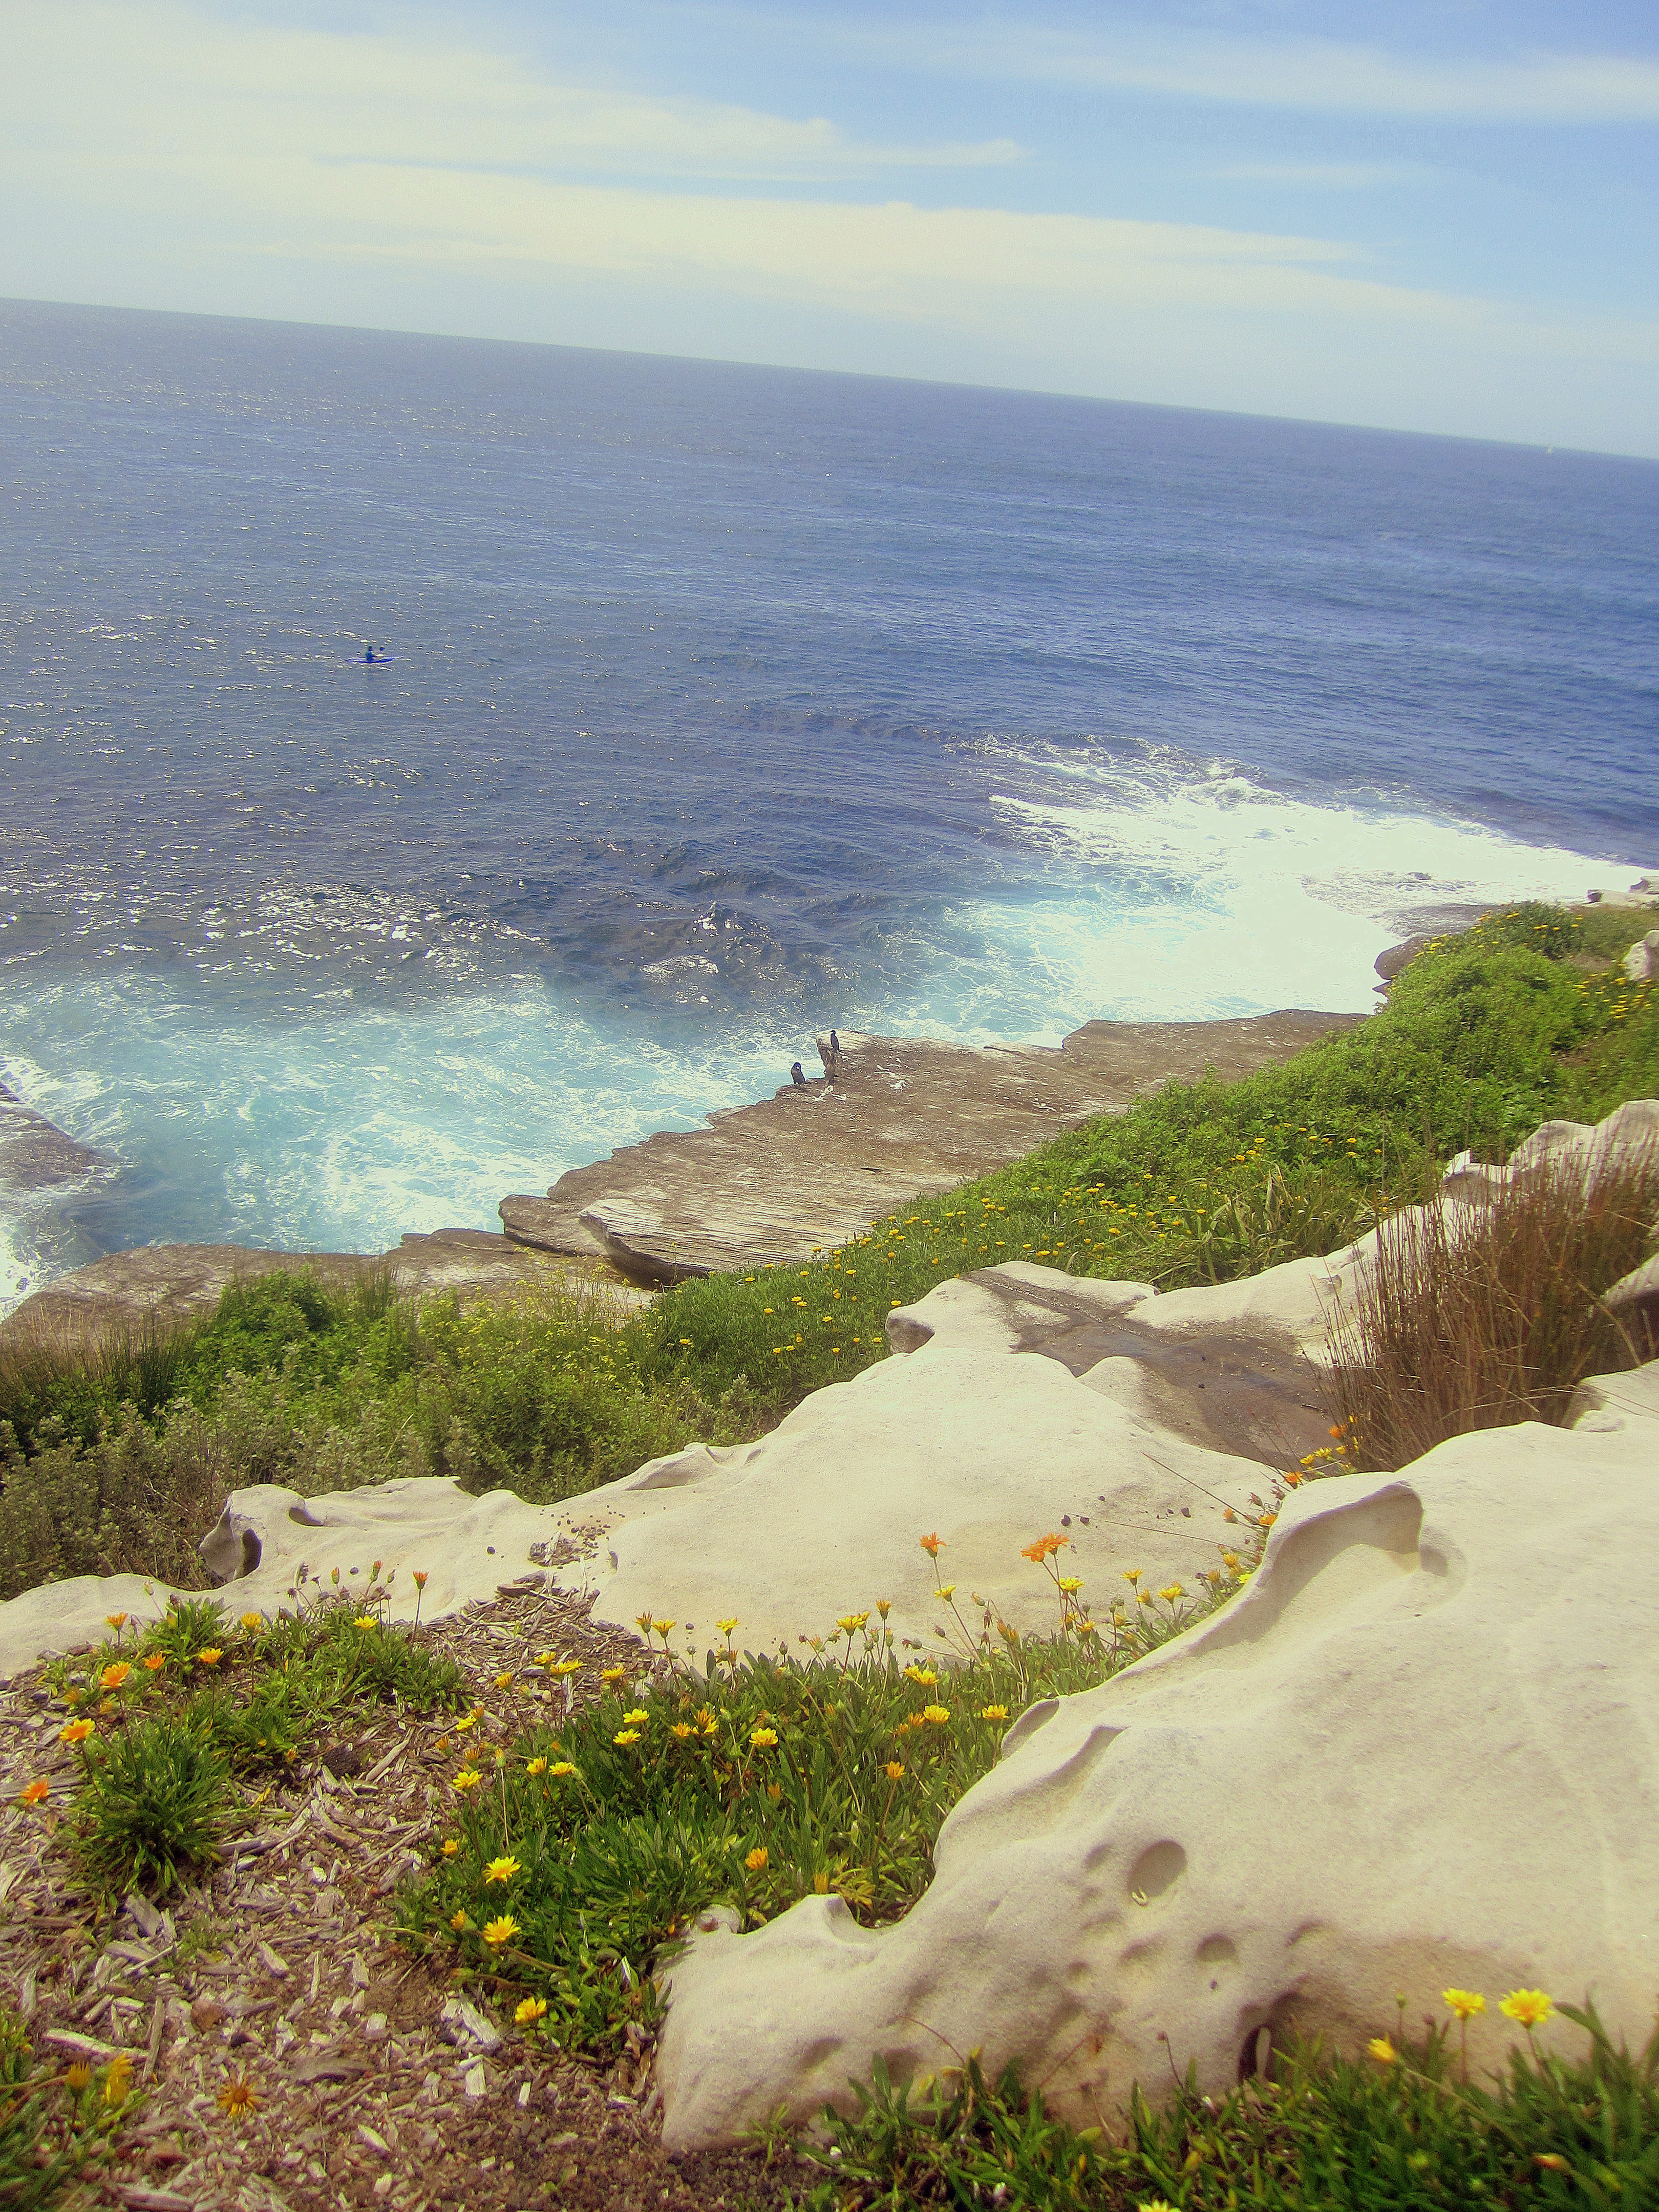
(1479,1316)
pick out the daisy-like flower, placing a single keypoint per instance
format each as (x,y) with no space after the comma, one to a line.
(503,1682)
(450,1847)
(466,1721)
(1170,1592)
(113,1677)
(755,1860)
(118,1621)
(938,1714)
(682,1730)
(612,1674)
(725,1627)
(239,2097)
(499,1932)
(1071,1584)
(76,1732)
(932,1546)
(535,1766)
(35,1792)
(502,1869)
(1464,2002)
(994,1712)
(419,1579)
(850,1623)
(154,1664)
(562,1766)
(530,2010)
(253,1620)
(922,1674)
(208,1656)
(1528,2009)
(626,1736)
(637,1718)
(468,1778)
(365,1620)
(1381,2050)
(895,1768)
(459,1922)
(763,1739)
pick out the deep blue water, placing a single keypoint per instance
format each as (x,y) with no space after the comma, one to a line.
(723,703)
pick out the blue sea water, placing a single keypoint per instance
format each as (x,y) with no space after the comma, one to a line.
(722,703)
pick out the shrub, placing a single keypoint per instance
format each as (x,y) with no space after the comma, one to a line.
(1476,1317)
(153,1807)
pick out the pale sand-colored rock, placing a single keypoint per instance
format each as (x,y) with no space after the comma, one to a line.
(811,1167)
(1641,961)
(173,1283)
(1414,1753)
(966,1439)
(467,1546)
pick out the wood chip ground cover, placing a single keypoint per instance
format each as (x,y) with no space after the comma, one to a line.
(282,1971)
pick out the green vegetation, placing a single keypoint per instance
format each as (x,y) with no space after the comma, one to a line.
(1386,2133)
(55,2121)
(124,1460)
(165,1731)
(577,1855)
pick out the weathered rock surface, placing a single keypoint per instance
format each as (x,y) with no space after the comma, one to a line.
(35,1155)
(817,1163)
(1412,1753)
(467,1546)
(1641,961)
(966,1439)
(175,1283)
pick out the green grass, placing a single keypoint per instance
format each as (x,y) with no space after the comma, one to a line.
(168,1731)
(1321,2137)
(122,1460)
(577,1853)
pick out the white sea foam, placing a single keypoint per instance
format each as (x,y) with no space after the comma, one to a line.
(1162,895)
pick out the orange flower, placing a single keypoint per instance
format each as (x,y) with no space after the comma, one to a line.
(76,1732)
(208,1657)
(932,1546)
(113,1677)
(154,1664)
(35,1792)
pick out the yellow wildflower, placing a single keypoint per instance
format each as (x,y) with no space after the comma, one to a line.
(1464,2002)
(501,1931)
(612,1674)
(763,1739)
(208,1657)
(562,1766)
(253,1620)
(938,1714)
(450,1847)
(725,1627)
(895,1768)
(1170,1592)
(625,1736)
(365,1620)
(503,1682)
(502,1869)
(76,1732)
(459,1922)
(535,1766)
(994,1712)
(682,1730)
(237,2098)
(637,1718)
(1381,2050)
(113,1677)
(468,1778)
(755,1860)
(530,2010)
(1528,2009)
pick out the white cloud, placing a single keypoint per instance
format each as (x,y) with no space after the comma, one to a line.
(171,74)
(1320,74)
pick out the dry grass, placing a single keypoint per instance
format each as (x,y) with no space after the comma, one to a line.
(1480,1317)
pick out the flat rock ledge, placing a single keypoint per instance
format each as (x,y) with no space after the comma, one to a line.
(901,1118)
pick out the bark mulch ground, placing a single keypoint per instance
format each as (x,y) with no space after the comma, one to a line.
(282,1971)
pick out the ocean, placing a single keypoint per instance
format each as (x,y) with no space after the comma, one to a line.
(719,704)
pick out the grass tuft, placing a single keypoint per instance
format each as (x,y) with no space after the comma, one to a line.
(1480,1317)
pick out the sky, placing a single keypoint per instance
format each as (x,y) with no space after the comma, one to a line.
(1440,218)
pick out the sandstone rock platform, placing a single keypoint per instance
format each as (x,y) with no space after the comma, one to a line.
(816,1163)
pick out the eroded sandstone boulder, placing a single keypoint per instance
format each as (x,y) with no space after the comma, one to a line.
(1415,1751)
